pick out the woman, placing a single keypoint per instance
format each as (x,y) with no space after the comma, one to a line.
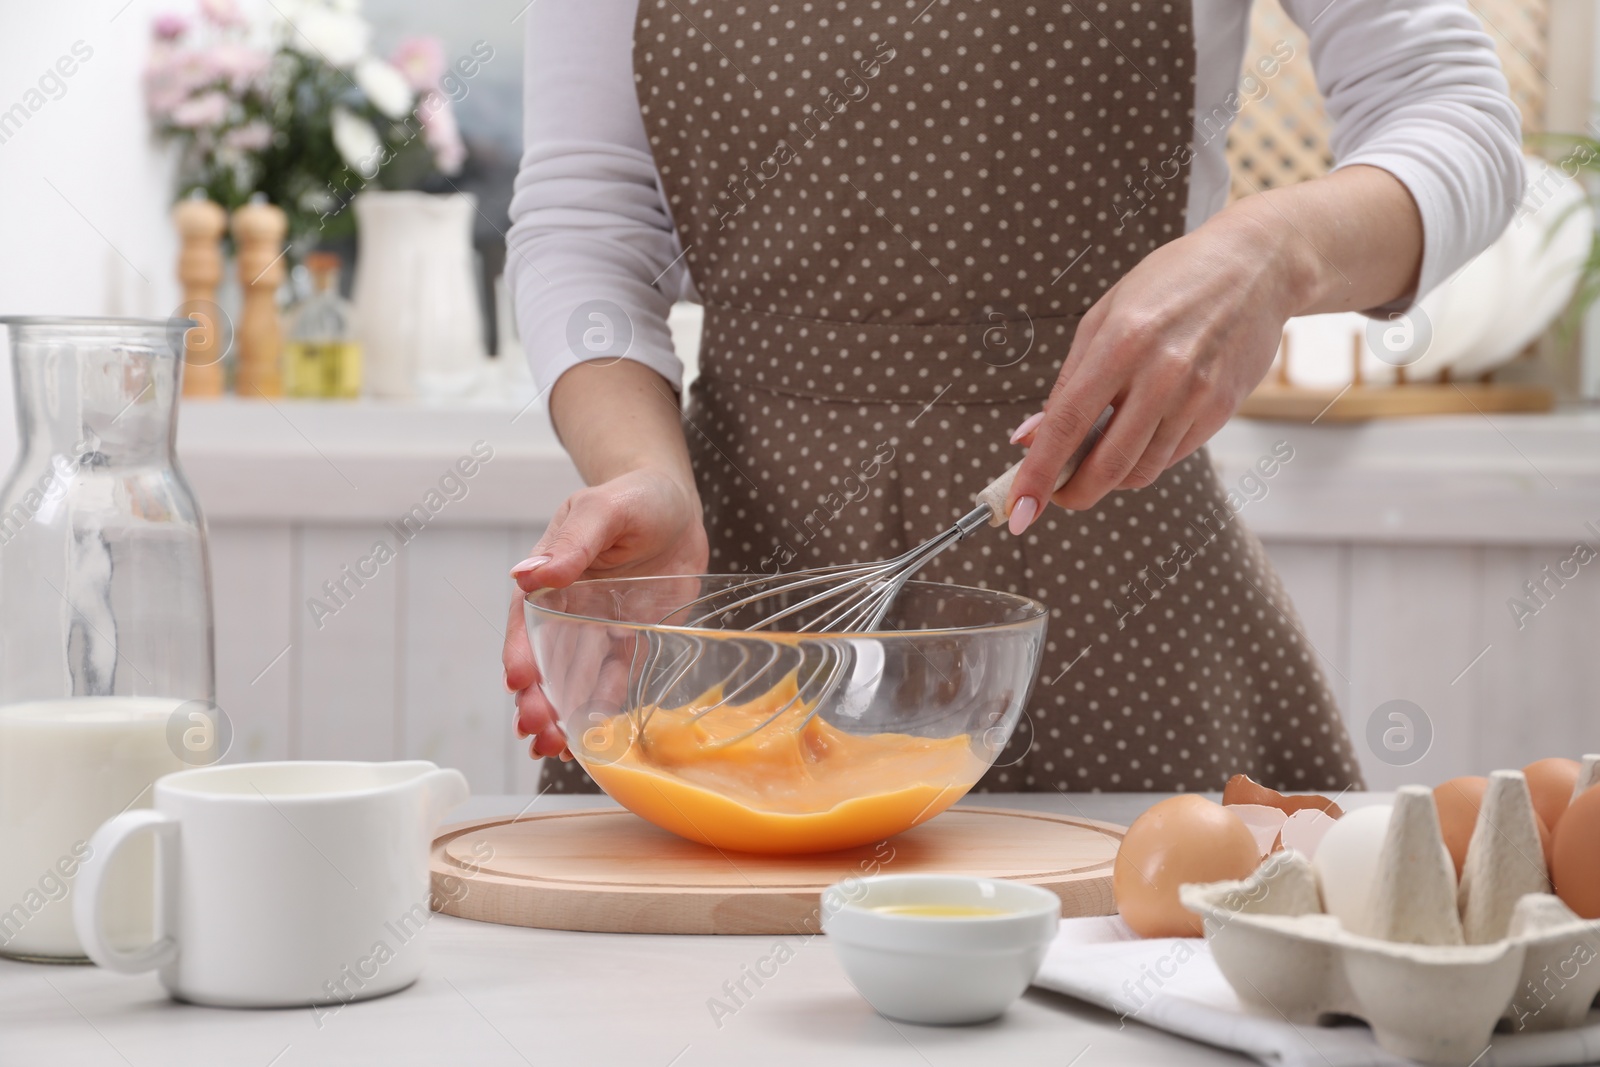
(925,233)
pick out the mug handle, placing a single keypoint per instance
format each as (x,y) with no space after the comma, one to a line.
(86,910)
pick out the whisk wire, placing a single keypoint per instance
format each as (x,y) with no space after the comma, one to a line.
(842,599)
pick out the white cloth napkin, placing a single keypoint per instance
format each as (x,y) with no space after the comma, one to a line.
(1173,984)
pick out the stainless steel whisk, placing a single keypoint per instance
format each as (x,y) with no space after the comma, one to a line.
(848,598)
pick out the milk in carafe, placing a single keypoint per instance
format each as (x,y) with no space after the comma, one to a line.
(66,766)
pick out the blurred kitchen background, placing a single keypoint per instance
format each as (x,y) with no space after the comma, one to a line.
(1442,552)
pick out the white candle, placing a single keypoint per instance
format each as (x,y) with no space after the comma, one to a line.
(66,766)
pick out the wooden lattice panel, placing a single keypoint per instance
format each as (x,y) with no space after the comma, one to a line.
(1521,32)
(1281,134)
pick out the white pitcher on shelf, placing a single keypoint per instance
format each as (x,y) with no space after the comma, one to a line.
(416,298)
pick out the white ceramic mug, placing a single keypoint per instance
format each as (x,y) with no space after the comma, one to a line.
(280,884)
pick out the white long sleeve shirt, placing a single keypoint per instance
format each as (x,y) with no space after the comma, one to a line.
(1413,87)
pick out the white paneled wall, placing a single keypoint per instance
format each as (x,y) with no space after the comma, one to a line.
(1409,622)
(408,667)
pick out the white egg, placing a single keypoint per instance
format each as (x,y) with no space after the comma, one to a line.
(1347,864)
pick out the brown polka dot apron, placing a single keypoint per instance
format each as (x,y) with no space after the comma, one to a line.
(896,212)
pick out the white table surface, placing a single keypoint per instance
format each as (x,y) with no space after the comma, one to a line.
(496,995)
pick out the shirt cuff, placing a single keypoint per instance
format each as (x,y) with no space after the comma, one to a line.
(1443,205)
(562,323)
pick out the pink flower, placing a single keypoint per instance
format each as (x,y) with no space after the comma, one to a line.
(441,134)
(253,136)
(169,27)
(203,111)
(223,13)
(421,60)
(241,65)
(171,75)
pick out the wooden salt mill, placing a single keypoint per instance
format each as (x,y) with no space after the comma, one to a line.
(258,231)
(200,223)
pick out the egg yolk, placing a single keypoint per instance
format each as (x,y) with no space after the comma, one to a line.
(795,784)
(940,911)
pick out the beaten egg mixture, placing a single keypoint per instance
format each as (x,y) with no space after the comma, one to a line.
(797,784)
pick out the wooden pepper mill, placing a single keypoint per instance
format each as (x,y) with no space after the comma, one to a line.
(258,231)
(200,223)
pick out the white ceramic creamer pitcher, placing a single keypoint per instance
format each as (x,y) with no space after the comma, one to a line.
(280,884)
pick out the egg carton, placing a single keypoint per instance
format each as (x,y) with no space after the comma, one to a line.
(1441,964)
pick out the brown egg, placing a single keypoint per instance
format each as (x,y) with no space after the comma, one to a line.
(1575,861)
(1458,801)
(1551,782)
(1243,789)
(1185,838)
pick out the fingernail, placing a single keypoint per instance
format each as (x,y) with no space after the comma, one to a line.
(533,753)
(1023,512)
(529,565)
(566,756)
(1029,424)
(516,721)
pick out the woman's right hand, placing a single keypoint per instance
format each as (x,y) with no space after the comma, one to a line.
(646,522)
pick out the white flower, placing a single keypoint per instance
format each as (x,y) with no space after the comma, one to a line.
(384,86)
(339,37)
(357,142)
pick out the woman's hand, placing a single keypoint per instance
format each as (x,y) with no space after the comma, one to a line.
(1179,342)
(640,516)
(646,522)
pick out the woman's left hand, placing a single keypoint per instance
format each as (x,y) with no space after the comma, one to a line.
(1179,342)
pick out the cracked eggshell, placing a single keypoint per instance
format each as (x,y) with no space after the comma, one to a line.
(1304,830)
(1264,823)
(1242,789)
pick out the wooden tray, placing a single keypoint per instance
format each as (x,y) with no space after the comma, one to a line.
(612,872)
(1358,403)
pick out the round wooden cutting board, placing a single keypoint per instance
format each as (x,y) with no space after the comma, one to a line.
(612,872)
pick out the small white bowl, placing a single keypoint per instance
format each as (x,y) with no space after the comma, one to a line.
(939,970)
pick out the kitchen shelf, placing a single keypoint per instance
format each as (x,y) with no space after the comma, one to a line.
(1463,479)
(1481,479)
(363,460)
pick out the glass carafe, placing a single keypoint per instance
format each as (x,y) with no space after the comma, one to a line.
(106,671)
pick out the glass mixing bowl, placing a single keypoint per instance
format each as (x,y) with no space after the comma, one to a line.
(780,740)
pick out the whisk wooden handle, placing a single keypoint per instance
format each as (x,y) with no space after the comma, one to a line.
(997,492)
